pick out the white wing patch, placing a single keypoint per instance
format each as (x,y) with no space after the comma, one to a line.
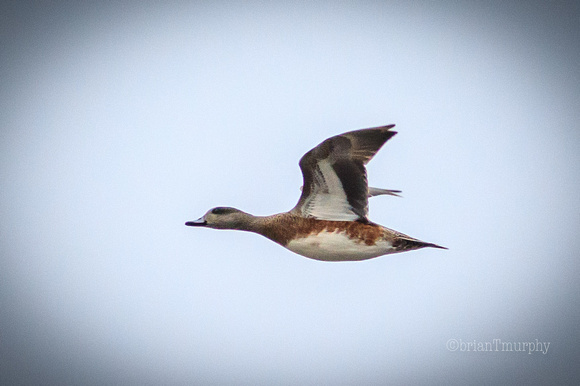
(328,201)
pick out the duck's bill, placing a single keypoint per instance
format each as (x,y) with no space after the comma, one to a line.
(200,222)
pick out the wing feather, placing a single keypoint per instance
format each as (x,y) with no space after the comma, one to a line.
(335,178)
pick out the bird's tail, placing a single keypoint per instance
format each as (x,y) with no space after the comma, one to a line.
(409,244)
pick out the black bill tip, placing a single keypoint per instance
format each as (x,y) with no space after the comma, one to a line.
(200,222)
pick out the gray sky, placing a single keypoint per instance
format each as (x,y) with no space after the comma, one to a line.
(122,121)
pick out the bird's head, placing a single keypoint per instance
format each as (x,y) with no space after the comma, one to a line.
(222,218)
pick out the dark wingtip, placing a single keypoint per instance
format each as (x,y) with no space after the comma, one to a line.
(385,128)
(389,127)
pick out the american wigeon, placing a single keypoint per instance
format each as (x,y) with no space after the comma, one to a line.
(329,222)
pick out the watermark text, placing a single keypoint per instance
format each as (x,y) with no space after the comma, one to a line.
(498,345)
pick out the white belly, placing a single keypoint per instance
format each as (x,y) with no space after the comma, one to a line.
(333,246)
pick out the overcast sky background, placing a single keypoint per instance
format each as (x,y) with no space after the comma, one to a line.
(121,121)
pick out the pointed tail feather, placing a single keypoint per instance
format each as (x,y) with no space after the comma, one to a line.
(408,244)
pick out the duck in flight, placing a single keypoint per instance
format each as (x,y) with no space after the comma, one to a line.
(330,221)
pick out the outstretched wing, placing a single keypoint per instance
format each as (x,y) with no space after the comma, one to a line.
(335,178)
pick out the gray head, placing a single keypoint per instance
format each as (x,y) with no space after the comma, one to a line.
(223,218)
